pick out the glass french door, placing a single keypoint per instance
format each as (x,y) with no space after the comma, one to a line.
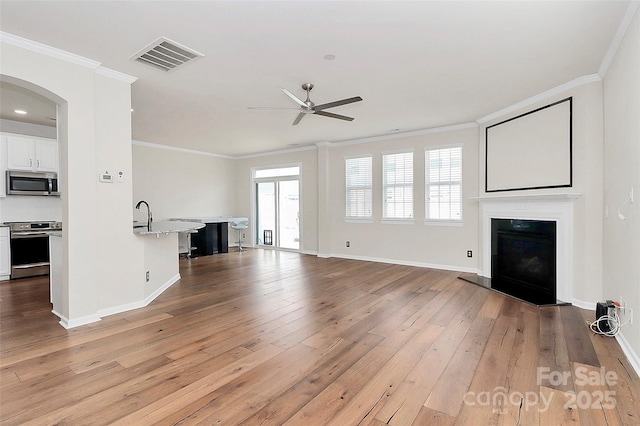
(278,213)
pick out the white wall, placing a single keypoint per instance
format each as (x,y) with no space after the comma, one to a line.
(182,184)
(621,245)
(93,126)
(245,205)
(434,245)
(119,267)
(587,181)
(11,126)
(161,261)
(324,229)
(20,208)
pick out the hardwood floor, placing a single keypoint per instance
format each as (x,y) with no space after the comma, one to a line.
(268,338)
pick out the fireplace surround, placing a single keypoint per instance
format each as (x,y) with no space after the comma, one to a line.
(556,208)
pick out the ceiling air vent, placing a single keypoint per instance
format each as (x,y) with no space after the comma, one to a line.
(166,54)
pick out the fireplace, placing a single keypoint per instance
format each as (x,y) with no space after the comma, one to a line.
(523,259)
(557,208)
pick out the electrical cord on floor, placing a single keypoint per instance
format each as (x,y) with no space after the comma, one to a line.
(612,323)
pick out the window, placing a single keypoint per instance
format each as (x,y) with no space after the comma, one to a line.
(397,186)
(359,193)
(280,171)
(443,183)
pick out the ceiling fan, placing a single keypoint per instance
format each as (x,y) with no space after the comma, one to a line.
(308,107)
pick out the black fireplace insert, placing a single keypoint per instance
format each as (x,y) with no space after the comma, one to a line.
(523,259)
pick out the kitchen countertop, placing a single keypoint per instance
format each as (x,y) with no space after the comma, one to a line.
(166,227)
(212,219)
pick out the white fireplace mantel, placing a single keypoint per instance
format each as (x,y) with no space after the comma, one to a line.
(549,207)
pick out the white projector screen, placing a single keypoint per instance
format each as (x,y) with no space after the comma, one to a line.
(530,151)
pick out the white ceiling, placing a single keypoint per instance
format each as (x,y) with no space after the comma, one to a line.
(41,110)
(417,65)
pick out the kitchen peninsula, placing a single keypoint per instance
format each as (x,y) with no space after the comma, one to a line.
(166,227)
(160,259)
(158,266)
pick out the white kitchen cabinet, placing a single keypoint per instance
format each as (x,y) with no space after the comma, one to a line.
(5,260)
(32,154)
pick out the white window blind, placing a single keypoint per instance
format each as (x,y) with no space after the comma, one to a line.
(397,186)
(443,183)
(359,202)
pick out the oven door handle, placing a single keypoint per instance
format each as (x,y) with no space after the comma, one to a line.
(38,234)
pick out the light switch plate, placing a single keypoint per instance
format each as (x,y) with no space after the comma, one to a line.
(106,178)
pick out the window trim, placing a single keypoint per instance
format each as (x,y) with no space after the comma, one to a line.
(427,185)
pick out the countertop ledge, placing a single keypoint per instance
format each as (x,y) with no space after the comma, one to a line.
(166,227)
(212,219)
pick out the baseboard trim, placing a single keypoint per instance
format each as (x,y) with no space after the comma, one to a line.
(171,281)
(403,262)
(632,356)
(120,308)
(590,306)
(141,303)
(310,252)
(77,322)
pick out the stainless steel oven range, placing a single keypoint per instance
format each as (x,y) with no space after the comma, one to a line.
(29,245)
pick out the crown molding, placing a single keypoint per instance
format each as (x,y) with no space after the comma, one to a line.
(117,75)
(406,134)
(65,56)
(175,148)
(591,78)
(48,50)
(617,40)
(277,152)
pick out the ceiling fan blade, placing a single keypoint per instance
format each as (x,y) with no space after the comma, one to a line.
(337,103)
(338,116)
(294,97)
(298,118)
(258,107)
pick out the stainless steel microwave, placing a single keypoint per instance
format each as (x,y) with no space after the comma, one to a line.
(32,183)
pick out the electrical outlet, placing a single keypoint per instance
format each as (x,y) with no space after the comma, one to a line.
(243,236)
(146,276)
(623,304)
(625,311)
(469,253)
(348,244)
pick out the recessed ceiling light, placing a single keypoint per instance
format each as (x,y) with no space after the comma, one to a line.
(329,57)
(20,111)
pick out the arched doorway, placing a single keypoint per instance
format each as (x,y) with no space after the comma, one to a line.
(43,119)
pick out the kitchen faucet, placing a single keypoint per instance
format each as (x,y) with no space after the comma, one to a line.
(149,217)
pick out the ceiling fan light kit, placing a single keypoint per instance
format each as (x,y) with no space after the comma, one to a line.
(308,107)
